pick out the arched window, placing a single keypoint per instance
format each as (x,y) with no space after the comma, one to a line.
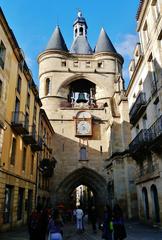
(155,204)
(83,153)
(47,87)
(75,32)
(145,203)
(81,31)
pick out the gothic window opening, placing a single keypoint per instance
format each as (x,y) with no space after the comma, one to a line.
(83,153)
(75,32)
(2,54)
(82,91)
(81,31)
(1,89)
(47,88)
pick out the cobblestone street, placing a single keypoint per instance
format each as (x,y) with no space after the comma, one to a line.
(135,231)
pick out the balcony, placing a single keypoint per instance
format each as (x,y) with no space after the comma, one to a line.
(147,173)
(138,108)
(30,137)
(47,166)
(38,145)
(19,123)
(156,135)
(140,143)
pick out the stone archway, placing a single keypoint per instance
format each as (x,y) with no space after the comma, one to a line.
(83,176)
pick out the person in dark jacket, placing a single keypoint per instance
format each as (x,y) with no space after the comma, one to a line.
(34,225)
(107,221)
(118,223)
(93,218)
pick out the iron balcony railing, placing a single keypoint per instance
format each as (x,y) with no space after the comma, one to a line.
(31,136)
(156,129)
(138,107)
(140,141)
(38,145)
(19,122)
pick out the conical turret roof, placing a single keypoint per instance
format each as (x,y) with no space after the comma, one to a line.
(104,43)
(80,45)
(56,41)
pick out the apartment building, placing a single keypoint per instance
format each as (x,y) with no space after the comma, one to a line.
(145,104)
(46,162)
(20,107)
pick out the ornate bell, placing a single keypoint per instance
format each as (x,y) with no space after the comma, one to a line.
(81,98)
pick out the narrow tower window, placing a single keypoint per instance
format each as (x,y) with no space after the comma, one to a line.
(47,86)
(83,153)
(0,89)
(81,31)
(2,54)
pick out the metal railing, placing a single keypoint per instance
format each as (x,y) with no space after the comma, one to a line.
(140,140)
(156,129)
(19,118)
(140,101)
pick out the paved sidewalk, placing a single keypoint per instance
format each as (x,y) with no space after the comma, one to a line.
(135,231)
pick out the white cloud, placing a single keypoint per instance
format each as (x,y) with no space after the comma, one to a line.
(127,45)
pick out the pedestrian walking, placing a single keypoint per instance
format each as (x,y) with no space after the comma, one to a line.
(55,228)
(34,225)
(107,223)
(79,219)
(118,223)
(93,218)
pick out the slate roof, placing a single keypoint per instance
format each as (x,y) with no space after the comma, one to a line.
(80,45)
(104,43)
(56,41)
(80,20)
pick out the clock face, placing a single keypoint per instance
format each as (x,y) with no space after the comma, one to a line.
(84,128)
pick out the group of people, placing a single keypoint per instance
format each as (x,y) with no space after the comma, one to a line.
(46,222)
(113,224)
(50,222)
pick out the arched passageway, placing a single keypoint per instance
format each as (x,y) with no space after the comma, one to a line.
(83,176)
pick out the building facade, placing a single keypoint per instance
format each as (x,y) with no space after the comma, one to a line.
(47,161)
(18,166)
(145,104)
(82,92)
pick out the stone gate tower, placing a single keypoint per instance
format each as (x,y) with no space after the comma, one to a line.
(82,91)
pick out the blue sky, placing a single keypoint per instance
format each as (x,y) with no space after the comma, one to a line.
(34,21)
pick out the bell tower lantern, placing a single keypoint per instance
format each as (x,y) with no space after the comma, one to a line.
(80,26)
